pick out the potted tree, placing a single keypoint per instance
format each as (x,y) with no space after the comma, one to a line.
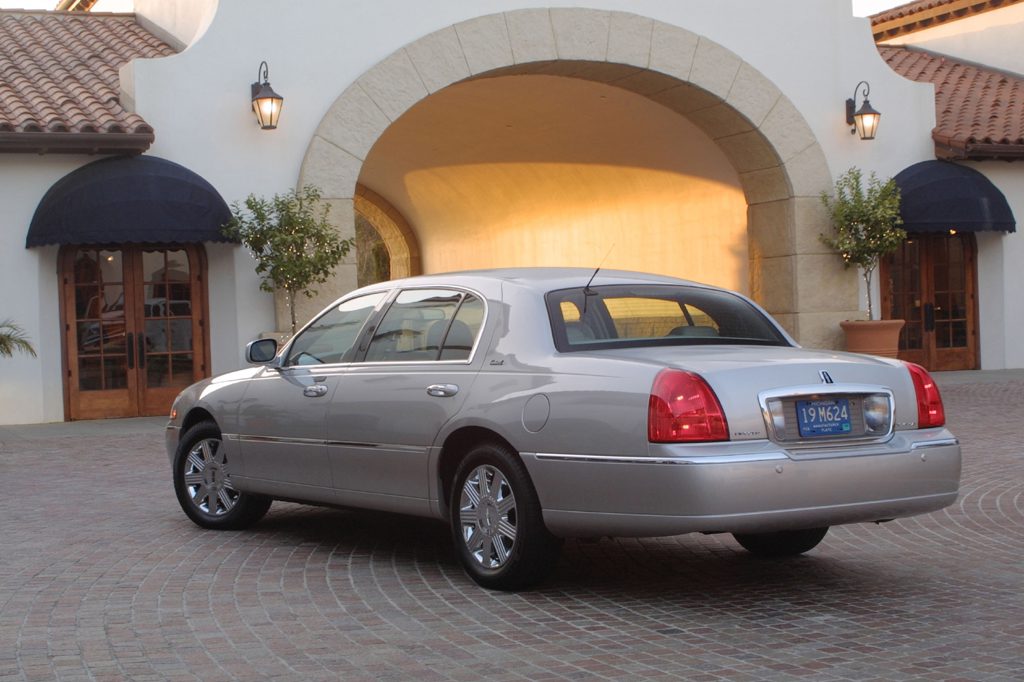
(294,244)
(866,221)
(13,340)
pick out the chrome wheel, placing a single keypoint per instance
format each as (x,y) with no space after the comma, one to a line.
(487,516)
(207,479)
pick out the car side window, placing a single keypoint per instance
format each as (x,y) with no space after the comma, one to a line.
(424,325)
(464,330)
(332,337)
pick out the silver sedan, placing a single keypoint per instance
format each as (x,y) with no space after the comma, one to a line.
(524,406)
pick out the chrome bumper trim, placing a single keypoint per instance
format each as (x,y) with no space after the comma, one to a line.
(708,459)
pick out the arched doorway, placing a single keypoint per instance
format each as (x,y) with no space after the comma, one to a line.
(779,167)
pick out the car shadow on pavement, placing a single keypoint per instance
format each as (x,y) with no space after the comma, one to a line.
(688,570)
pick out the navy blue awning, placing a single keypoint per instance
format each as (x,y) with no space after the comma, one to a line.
(937,196)
(129,200)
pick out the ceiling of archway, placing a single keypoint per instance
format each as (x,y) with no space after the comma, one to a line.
(583,159)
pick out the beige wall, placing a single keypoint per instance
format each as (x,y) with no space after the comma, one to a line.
(544,170)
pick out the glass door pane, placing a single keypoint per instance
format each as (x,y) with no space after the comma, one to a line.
(102,353)
(168,313)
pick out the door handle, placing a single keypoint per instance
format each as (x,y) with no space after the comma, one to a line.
(315,391)
(929,317)
(142,351)
(130,346)
(442,390)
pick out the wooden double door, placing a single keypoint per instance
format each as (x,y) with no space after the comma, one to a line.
(931,282)
(134,320)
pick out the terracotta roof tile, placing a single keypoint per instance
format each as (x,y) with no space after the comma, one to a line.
(979,112)
(923,14)
(59,85)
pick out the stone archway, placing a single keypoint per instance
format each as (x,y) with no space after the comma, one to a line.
(398,237)
(782,168)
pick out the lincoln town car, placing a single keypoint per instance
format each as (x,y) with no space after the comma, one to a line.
(525,406)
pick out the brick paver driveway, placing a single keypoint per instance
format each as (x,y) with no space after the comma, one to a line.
(103,578)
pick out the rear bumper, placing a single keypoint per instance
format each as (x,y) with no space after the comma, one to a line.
(749,486)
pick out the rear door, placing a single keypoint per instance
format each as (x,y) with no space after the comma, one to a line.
(413,378)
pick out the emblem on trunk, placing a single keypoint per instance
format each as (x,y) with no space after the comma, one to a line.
(826,378)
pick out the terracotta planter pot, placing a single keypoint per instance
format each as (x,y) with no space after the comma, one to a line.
(874,337)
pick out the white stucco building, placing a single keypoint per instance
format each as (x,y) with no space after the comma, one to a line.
(687,137)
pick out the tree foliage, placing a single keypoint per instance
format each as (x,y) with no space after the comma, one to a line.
(14,340)
(294,244)
(865,221)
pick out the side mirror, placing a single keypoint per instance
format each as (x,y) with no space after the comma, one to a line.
(260,351)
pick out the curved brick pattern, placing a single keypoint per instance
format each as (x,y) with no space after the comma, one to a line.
(102,577)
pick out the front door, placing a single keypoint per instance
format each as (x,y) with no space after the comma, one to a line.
(134,327)
(930,283)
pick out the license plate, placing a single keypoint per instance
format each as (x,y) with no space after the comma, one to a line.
(823,417)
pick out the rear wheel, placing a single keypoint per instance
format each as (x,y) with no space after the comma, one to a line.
(781,543)
(497,524)
(202,482)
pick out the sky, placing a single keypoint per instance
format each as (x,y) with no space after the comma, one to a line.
(860,7)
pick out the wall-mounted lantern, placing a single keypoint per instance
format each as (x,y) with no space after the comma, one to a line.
(864,120)
(265,102)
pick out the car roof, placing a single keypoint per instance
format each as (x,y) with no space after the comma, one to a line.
(540,278)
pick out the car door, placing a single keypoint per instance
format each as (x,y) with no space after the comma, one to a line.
(282,417)
(413,378)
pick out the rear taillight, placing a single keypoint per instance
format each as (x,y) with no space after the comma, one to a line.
(929,403)
(684,409)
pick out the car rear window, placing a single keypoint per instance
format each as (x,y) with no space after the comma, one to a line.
(625,316)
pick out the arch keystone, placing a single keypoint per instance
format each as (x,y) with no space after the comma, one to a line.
(581,33)
(531,36)
(629,39)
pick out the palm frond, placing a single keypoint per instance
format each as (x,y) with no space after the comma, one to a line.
(14,340)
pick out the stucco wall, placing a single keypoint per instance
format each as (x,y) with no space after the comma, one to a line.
(1000,275)
(180,22)
(30,388)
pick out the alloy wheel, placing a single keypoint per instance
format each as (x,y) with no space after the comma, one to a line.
(207,479)
(487,514)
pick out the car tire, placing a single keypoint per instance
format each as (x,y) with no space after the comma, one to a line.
(497,524)
(202,482)
(781,543)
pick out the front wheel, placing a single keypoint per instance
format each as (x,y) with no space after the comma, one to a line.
(781,543)
(497,524)
(202,482)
